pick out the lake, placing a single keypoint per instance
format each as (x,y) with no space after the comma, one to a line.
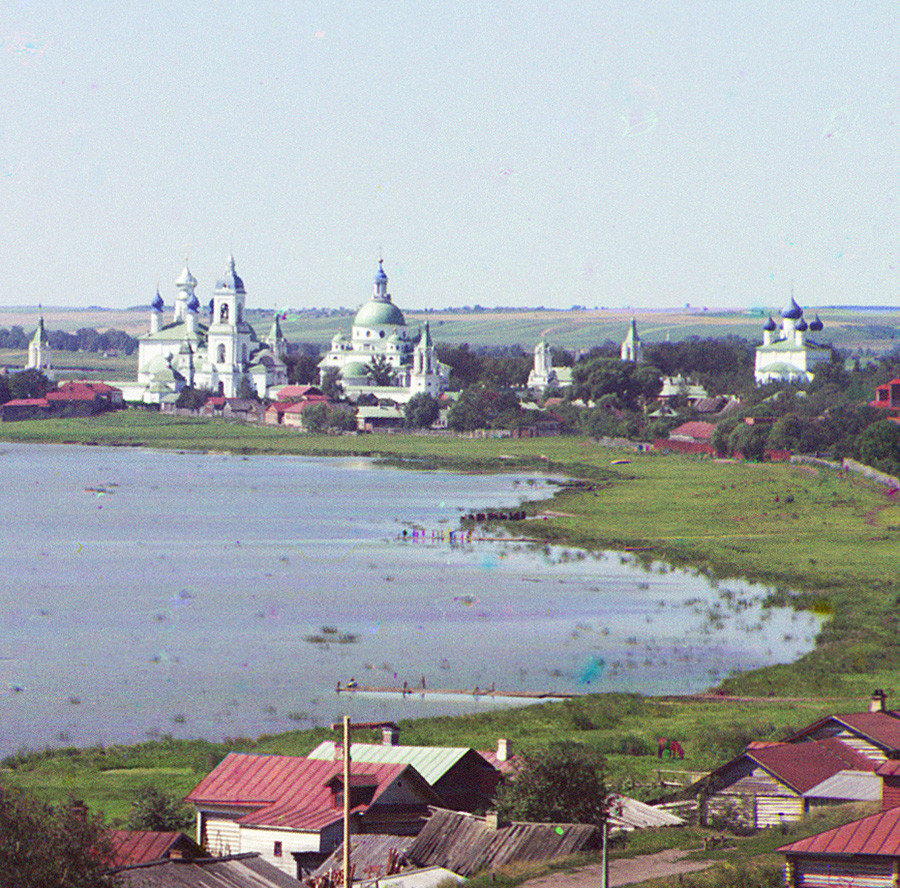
(150,592)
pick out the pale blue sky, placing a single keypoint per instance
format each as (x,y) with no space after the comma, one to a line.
(620,153)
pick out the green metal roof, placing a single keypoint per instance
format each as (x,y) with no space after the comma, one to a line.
(432,762)
(379,314)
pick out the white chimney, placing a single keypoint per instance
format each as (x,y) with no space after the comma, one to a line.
(503,749)
(390,735)
(877,702)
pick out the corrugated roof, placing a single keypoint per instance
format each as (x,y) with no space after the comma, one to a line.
(292,792)
(432,762)
(850,786)
(888,768)
(877,834)
(467,844)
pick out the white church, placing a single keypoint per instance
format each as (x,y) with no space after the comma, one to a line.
(787,355)
(379,337)
(217,350)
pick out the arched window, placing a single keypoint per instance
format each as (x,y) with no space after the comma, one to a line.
(239,318)
(244,354)
(223,313)
(221,353)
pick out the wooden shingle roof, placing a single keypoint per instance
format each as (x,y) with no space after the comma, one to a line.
(467,844)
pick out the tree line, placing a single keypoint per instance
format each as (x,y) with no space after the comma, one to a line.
(85,339)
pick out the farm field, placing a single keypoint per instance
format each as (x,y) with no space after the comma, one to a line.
(874,331)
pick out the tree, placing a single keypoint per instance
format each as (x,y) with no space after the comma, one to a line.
(480,405)
(562,783)
(380,371)
(879,446)
(192,398)
(629,383)
(50,847)
(421,411)
(303,369)
(29,384)
(157,810)
(331,384)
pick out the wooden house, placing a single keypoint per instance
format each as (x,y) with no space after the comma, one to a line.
(863,853)
(464,778)
(874,733)
(290,809)
(774,783)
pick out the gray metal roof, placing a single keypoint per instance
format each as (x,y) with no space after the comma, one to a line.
(238,871)
(856,786)
(432,762)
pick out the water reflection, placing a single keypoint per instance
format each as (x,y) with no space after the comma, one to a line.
(148,593)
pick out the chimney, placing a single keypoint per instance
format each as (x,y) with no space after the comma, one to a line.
(338,750)
(390,735)
(492,820)
(503,746)
(877,702)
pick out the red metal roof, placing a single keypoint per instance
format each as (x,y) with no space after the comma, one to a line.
(889,768)
(698,431)
(130,846)
(804,765)
(298,391)
(877,834)
(290,791)
(882,728)
(26,402)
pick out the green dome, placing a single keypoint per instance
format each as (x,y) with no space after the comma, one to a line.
(379,314)
(353,370)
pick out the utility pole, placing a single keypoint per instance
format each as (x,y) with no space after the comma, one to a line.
(347,881)
(347,727)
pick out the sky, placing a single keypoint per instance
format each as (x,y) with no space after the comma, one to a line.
(617,154)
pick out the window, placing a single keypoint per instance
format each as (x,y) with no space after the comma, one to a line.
(277,851)
(223,313)
(221,353)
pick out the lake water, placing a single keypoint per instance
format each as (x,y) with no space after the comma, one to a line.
(148,592)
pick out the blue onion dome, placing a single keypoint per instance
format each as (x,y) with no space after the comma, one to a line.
(770,325)
(157,304)
(380,276)
(802,326)
(816,325)
(230,280)
(793,311)
(193,303)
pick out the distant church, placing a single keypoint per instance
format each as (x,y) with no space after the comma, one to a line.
(544,375)
(379,334)
(39,356)
(632,348)
(219,351)
(786,354)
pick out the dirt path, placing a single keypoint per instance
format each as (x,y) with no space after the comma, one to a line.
(623,872)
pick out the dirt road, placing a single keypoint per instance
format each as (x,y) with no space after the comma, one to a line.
(623,872)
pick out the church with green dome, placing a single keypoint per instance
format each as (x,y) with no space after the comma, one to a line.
(381,357)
